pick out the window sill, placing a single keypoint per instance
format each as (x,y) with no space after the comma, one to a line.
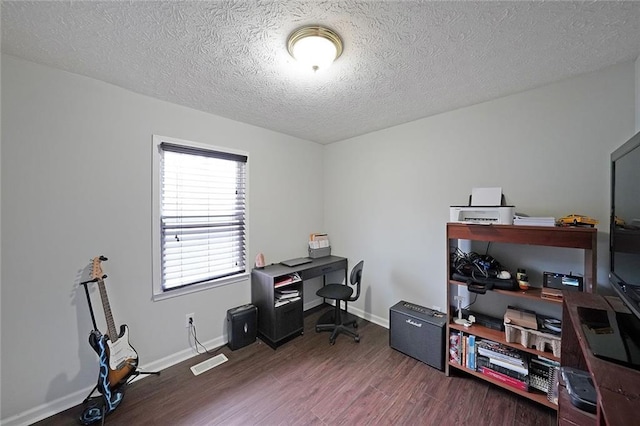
(158,296)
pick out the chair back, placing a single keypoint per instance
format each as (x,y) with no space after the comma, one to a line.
(356,279)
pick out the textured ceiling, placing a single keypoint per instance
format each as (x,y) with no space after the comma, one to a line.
(402,60)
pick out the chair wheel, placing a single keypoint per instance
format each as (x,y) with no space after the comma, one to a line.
(332,341)
(355,325)
(357,339)
(317,330)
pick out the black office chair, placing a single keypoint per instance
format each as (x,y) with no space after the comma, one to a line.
(339,293)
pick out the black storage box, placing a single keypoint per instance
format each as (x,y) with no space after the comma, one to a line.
(418,332)
(242,326)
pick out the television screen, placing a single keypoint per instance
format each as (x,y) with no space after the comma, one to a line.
(624,235)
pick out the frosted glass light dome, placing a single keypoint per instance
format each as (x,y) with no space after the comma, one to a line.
(315,47)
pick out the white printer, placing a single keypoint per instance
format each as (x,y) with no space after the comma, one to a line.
(486,207)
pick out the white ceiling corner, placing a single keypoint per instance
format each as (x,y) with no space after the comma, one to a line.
(402,60)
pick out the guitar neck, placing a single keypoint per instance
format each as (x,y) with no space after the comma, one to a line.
(111,326)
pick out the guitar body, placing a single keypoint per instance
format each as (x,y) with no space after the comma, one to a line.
(119,358)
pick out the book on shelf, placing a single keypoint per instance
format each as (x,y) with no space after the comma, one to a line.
(520,369)
(462,349)
(541,372)
(504,379)
(483,361)
(494,350)
(471,352)
(286,294)
(454,347)
(286,280)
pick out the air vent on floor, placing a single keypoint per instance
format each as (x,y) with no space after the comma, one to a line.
(209,364)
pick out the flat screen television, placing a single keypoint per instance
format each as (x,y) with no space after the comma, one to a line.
(615,336)
(624,234)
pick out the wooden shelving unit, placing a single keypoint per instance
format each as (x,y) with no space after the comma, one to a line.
(576,238)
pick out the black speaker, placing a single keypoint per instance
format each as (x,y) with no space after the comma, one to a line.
(418,332)
(242,326)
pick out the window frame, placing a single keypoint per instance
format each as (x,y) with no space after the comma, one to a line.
(157,291)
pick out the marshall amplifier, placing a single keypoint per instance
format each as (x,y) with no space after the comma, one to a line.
(418,332)
(242,326)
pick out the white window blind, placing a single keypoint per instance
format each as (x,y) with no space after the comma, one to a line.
(203,212)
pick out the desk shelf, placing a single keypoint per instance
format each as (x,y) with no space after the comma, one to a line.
(277,324)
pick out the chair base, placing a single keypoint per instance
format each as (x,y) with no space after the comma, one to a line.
(327,322)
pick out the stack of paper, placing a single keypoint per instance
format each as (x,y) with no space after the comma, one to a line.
(534,221)
(282,297)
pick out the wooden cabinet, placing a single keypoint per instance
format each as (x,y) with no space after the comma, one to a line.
(276,323)
(576,238)
(617,386)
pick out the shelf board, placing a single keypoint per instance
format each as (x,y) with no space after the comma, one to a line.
(540,398)
(534,293)
(552,236)
(499,337)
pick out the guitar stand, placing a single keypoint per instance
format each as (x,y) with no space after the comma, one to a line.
(99,407)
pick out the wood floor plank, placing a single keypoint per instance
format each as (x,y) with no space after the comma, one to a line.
(308,381)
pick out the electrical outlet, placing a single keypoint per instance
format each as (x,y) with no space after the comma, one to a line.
(189,319)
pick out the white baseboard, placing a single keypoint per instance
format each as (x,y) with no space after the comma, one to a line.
(357,312)
(367,316)
(57,406)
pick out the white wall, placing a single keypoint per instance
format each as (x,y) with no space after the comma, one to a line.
(637,68)
(0,210)
(76,183)
(387,194)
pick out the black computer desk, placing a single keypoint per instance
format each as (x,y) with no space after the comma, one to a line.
(279,324)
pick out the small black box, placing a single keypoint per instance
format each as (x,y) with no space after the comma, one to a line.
(562,281)
(242,326)
(418,332)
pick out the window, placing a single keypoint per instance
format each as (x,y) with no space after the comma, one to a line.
(200,228)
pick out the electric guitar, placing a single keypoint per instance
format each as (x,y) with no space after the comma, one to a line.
(118,360)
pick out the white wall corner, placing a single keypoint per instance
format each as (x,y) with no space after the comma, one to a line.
(637,81)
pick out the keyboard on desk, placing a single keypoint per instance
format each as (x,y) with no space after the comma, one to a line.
(296,262)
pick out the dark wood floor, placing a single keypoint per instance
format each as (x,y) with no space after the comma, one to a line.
(307,381)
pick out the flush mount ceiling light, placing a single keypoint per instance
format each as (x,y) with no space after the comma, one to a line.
(314,46)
